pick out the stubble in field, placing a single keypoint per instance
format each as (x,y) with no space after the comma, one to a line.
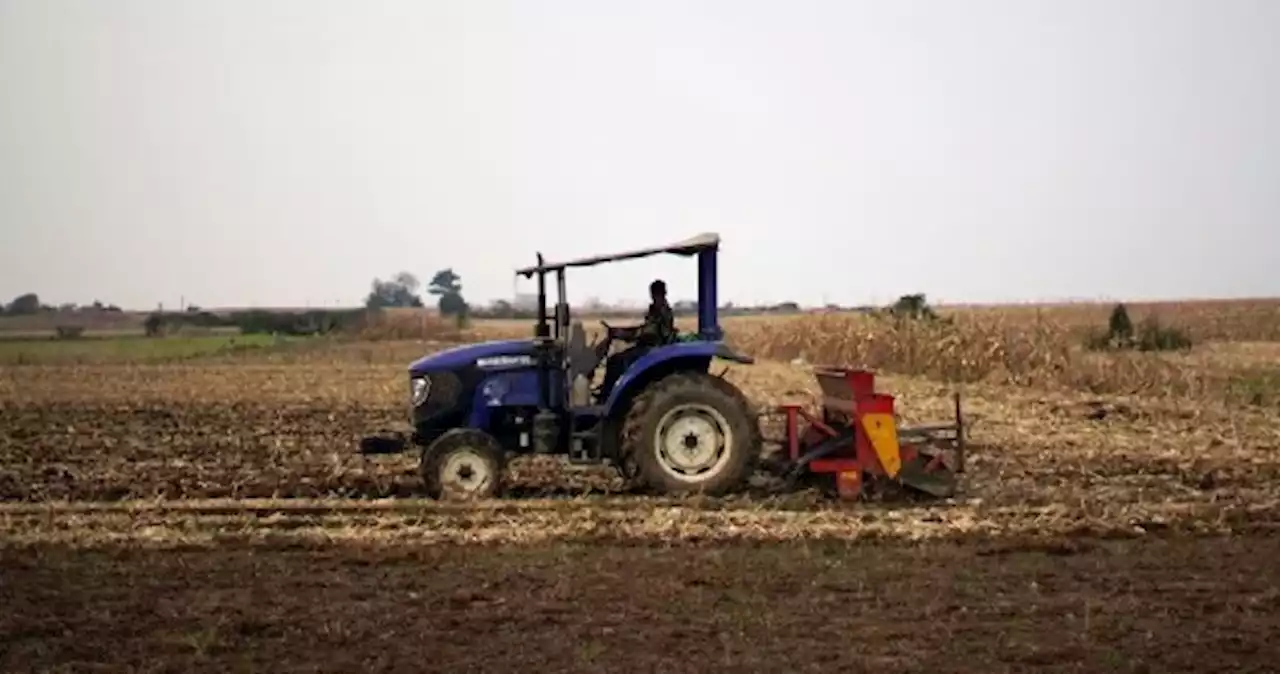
(1049,461)
(210,514)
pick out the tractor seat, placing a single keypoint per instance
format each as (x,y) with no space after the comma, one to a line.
(582,356)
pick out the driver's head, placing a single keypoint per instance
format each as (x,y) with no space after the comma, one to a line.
(658,290)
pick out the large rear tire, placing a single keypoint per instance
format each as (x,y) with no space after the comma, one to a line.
(463,465)
(692,433)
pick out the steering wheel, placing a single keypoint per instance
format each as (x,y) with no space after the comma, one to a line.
(602,347)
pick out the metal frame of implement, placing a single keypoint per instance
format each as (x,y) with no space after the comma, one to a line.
(857,437)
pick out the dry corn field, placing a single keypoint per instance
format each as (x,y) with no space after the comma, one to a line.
(207,513)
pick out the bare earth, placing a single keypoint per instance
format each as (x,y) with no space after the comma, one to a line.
(1152,605)
(210,516)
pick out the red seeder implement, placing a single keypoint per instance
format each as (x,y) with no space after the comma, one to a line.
(857,440)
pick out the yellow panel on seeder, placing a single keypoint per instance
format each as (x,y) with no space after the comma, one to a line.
(883,434)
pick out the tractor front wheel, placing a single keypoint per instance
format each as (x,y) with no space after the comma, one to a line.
(692,433)
(463,464)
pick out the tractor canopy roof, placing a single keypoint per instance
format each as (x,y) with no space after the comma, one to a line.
(688,247)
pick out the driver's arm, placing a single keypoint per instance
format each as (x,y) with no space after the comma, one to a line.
(630,332)
(659,327)
(625,333)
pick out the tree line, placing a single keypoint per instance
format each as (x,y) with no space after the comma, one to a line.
(402,290)
(446,286)
(29,304)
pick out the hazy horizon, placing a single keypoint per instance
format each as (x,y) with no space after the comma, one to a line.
(285,153)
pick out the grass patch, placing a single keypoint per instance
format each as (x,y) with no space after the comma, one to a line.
(129,349)
(1259,387)
(1150,335)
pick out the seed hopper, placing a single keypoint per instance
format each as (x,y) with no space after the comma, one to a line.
(856,440)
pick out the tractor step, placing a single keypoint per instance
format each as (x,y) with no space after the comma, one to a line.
(580,443)
(590,412)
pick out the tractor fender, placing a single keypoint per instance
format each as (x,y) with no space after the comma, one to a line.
(664,360)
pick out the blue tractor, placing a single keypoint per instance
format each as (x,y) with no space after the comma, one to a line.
(668,424)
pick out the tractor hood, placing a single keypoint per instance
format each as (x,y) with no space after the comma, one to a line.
(464,356)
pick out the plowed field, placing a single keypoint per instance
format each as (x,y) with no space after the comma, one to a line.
(211,515)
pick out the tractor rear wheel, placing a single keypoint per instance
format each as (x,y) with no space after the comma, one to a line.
(463,464)
(692,432)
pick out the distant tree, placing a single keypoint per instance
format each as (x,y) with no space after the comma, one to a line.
(1121,333)
(501,309)
(914,306)
(447,285)
(154,324)
(400,291)
(24,305)
(452,304)
(684,308)
(1119,326)
(445,281)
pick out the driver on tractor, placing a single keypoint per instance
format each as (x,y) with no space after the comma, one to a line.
(658,329)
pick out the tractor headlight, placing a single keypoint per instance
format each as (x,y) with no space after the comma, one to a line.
(419,387)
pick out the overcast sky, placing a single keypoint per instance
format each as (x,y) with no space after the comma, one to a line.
(270,152)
